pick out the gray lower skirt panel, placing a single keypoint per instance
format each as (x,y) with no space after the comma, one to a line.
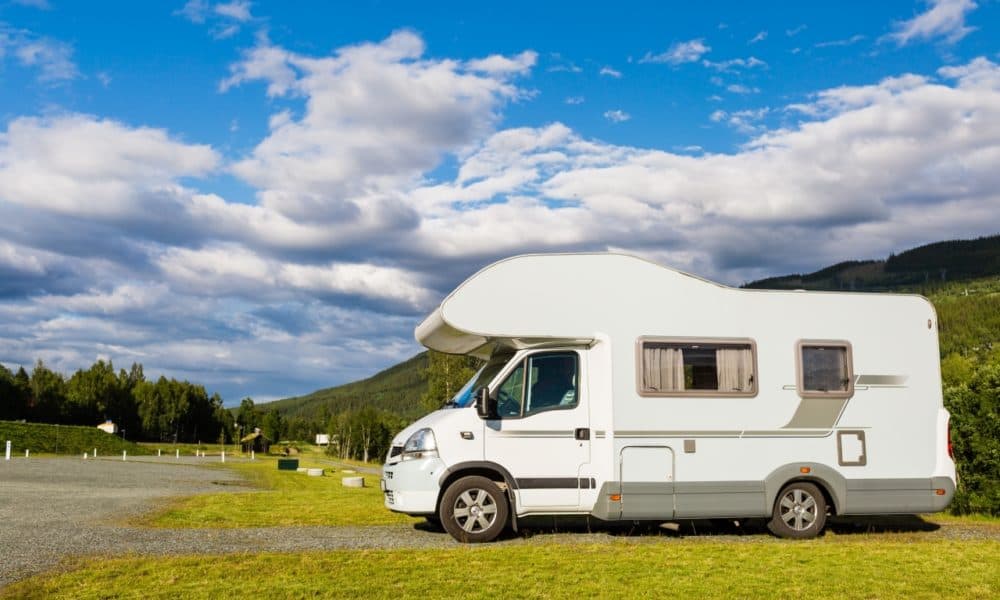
(742,499)
(901,496)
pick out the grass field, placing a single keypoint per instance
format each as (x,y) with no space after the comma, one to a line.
(860,568)
(286,498)
(42,438)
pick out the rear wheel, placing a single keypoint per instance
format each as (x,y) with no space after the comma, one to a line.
(799,511)
(474,509)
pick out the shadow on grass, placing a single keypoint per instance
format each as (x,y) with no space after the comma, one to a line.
(702,528)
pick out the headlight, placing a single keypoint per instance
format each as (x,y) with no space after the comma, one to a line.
(420,445)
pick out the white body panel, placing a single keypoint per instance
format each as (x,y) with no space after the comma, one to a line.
(727,454)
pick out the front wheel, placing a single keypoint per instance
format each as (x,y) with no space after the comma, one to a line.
(799,511)
(474,509)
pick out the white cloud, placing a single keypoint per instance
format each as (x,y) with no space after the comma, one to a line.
(739,88)
(194,11)
(238,10)
(617,116)
(497,64)
(795,30)
(610,72)
(574,100)
(943,19)
(52,58)
(854,39)
(760,37)
(377,116)
(679,53)
(76,164)
(735,65)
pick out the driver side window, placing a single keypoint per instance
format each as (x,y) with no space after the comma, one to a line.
(542,382)
(510,393)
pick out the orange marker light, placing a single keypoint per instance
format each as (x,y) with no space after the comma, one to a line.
(616,497)
(939,492)
(804,470)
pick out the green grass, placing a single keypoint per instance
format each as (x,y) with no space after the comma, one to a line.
(42,438)
(286,498)
(860,568)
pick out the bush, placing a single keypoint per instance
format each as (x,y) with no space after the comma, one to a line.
(975,435)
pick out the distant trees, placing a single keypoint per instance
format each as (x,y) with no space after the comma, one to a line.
(446,374)
(363,434)
(167,410)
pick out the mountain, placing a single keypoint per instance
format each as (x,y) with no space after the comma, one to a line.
(396,389)
(919,269)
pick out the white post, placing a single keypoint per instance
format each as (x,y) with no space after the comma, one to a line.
(178,454)
(7,456)
(253,456)
(223,456)
(124,454)
(159,452)
(27,453)
(95,452)
(84,456)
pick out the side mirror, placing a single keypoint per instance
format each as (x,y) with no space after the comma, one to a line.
(485,407)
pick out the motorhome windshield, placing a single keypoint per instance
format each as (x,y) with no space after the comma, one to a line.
(464,396)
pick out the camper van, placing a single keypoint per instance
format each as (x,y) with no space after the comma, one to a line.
(627,391)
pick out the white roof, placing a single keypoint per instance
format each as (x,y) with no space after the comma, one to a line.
(539,299)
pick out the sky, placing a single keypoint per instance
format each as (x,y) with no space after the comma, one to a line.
(267,197)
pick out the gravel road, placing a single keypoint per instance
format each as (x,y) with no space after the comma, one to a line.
(51,508)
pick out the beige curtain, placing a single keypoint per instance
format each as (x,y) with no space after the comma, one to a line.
(735,369)
(662,369)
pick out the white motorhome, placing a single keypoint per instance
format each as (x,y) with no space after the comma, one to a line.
(621,389)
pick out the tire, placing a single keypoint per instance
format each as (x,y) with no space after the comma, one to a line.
(799,511)
(474,510)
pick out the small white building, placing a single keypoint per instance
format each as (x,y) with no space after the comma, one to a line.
(322,439)
(108,426)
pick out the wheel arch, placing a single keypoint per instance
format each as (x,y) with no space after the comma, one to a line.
(482,468)
(831,483)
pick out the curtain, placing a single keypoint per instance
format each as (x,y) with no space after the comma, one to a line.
(735,369)
(663,369)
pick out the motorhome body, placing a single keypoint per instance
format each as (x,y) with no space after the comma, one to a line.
(625,390)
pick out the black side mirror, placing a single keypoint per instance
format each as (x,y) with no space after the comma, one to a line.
(485,406)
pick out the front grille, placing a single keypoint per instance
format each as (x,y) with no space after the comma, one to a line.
(388,474)
(389,497)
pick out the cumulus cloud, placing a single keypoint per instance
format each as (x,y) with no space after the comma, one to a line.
(679,53)
(943,19)
(609,72)
(377,116)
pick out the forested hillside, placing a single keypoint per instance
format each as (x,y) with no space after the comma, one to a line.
(397,389)
(920,269)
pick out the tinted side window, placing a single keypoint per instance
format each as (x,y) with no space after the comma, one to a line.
(545,381)
(825,369)
(552,382)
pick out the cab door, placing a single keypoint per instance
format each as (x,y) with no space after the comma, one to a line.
(542,433)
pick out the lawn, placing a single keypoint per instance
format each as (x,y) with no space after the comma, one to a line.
(283,498)
(863,567)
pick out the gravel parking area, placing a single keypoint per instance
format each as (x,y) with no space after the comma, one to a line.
(51,508)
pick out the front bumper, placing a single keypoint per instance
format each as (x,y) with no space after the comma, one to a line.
(411,486)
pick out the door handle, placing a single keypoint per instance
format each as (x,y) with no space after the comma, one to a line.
(582,433)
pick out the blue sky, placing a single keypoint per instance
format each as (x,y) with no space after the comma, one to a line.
(267,197)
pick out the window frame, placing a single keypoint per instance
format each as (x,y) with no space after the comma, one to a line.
(800,371)
(513,366)
(680,340)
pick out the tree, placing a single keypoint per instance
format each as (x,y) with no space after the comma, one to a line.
(48,394)
(446,373)
(273,425)
(10,408)
(975,435)
(247,417)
